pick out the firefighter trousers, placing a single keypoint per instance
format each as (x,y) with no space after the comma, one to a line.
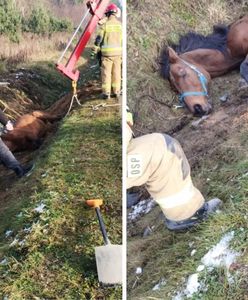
(158,161)
(7,158)
(111,74)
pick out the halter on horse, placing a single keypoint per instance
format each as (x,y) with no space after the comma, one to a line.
(203,81)
(199,58)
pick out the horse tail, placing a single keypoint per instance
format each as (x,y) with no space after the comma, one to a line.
(164,63)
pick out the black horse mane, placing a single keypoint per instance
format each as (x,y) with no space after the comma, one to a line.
(191,41)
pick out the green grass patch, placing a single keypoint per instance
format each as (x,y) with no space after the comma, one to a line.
(54,255)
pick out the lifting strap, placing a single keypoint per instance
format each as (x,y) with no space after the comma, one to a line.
(74,97)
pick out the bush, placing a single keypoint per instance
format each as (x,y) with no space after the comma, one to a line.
(40,21)
(10,20)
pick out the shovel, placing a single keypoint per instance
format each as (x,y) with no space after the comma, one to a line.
(108,257)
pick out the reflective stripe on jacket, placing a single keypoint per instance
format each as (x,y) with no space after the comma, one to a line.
(109,38)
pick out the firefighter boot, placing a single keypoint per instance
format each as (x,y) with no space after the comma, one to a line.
(24,170)
(132,199)
(105,96)
(203,213)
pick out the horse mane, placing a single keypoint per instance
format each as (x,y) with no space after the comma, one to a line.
(217,40)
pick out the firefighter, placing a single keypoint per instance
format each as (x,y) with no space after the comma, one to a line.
(6,156)
(109,43)
(158,161)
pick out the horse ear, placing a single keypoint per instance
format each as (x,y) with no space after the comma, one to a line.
(173,57)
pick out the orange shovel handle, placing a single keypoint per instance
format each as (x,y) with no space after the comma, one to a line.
(94,203)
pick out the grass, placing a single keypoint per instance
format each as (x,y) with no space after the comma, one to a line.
(54,258)
(219,170)
(167,255)
(57,260)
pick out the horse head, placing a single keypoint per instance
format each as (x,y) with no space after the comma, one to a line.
(191,82)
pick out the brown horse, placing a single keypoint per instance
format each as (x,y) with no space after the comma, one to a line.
(30,129)
(192,63)
(237,42)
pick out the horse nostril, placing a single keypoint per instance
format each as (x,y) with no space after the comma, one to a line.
(198,110)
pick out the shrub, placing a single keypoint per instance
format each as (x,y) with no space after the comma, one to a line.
(40,21)
(10,20)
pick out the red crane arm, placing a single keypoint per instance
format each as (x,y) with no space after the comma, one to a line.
(97,9)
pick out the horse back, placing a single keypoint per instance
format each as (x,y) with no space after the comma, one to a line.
(237,38)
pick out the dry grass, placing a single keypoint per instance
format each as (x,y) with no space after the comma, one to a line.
(32,48)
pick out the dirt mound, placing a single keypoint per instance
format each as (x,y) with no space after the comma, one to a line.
(202,138)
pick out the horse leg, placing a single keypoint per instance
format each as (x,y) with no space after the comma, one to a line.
(244,69)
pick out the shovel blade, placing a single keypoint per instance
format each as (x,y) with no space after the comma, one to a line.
(109,264)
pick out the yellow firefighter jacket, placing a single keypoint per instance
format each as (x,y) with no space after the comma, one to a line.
(109,38)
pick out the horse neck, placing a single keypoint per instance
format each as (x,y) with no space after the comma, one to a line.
(60,107)
(213,61)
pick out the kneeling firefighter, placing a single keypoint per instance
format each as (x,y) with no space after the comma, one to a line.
(158,161)
(109,44)
(6,156)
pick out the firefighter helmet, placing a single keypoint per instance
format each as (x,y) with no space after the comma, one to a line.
(112,8)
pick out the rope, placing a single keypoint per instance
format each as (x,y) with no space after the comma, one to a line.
(93,107)
(101,105)
(74,97)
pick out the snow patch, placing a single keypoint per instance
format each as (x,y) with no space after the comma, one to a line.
(191,244)
(8,233)
(193,285)
(218,256)
(19,215)
(141,208)
(160,284)
(40,208)
(22,243)
(27,230)
(200,268)
(4,262)
(138,271)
